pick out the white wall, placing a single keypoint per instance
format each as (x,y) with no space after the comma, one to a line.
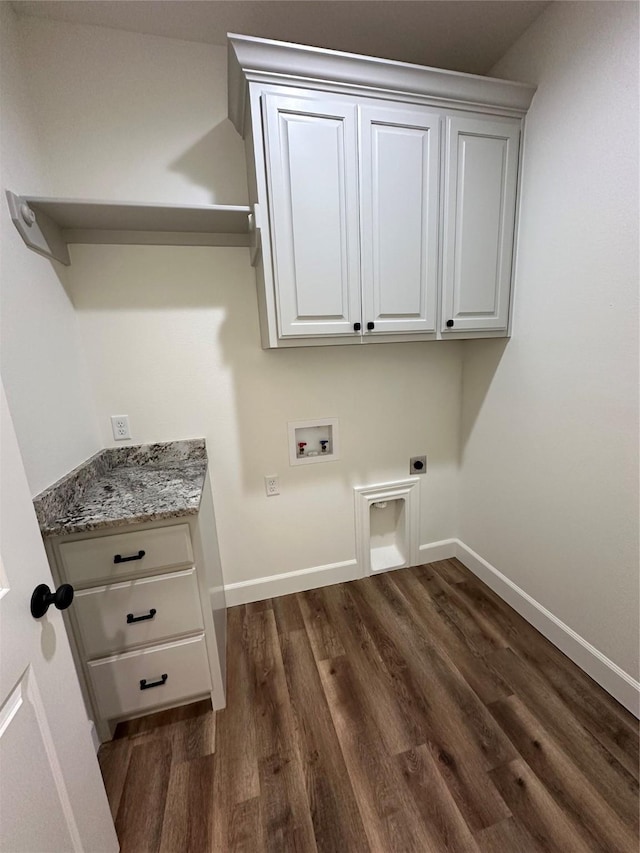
(134,117)
(549,478)
(171,334)
(42,367)
(172,339)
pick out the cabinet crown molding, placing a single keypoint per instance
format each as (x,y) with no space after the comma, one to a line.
(266,60)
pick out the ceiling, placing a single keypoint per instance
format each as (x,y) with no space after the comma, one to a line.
(462,35)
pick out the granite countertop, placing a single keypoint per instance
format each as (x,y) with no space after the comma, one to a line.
(125,485)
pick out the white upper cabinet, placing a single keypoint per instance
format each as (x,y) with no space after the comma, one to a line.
(312,171)
(384,194)
(399,203)
(481,173)
(353,207)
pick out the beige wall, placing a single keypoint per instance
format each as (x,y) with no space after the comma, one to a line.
(171,334)
(43,369)
(133,117)
(172,339)
(549,478)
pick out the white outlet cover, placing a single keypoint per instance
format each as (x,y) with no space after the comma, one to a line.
(272,485)
(120,427)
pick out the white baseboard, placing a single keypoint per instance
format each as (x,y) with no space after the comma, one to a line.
(605,672)
(435,551)
(270,587)
(244,592)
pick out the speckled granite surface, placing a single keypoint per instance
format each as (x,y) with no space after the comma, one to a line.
(125,485)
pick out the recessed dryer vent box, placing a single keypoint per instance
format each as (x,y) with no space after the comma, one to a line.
(313,441)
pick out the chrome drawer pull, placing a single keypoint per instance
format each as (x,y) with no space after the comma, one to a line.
(131,618)
(144,685)
(119,559)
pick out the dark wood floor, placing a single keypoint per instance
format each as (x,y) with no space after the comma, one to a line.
(413,711)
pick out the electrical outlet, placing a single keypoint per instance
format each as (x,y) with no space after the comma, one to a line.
(418,465)
(120,427)
(272,485)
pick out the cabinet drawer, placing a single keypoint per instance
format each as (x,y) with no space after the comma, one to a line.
(135,682)
(107,558)
(132,613)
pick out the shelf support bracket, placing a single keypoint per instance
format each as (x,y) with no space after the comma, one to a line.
(255,231)
(38,230)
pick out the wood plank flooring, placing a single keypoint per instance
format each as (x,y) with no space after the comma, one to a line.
(412,711)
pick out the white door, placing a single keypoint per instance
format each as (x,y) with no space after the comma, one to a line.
(51,792)
(479,216)
(312,176)
(400,169)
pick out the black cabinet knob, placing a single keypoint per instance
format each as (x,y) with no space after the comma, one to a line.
(371,326)
(356,327)
(43,598)
(449,324)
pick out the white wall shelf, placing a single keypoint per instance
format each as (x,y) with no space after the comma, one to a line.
(49,225)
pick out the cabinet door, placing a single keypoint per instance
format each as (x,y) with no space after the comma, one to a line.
(312,173)
(400,168)
(480,204)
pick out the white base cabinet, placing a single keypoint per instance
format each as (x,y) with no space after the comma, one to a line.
(384,195)
(148,621)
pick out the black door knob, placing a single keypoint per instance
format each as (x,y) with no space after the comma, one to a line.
(449,324)
(356,327)
(43,598)
(371,326)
